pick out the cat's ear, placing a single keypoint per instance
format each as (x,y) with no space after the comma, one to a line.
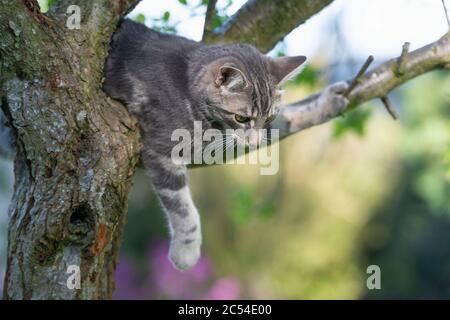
(231,78)
(285,68)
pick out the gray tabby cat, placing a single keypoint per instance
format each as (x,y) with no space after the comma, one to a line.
(168,82)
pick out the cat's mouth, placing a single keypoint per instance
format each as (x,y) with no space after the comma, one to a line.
(218,125)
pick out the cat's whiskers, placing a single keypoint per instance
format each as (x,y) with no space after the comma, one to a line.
(213,145)
(229,144)
(239,139)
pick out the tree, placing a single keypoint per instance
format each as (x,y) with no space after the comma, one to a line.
(78,149)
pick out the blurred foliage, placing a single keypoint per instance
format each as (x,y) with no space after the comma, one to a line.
(415,219)
(46,4)
(221,15)
(221,12)
(427,145)
(248,204)
(308,76)
(162,24)
(196,8)
(140,18)
(280,49)
(352,121)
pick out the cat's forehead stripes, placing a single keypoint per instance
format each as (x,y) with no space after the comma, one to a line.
(262,95)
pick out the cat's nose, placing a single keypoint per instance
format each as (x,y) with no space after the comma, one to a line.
(254,137)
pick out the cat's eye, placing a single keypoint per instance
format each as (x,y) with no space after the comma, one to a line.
(241,119)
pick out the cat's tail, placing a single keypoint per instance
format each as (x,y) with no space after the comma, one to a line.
(7,149)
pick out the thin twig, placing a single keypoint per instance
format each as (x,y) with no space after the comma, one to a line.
(359,75)
(446,13)
(209,18)
(401,62)
(388,105)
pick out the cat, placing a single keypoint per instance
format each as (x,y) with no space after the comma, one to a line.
(168,82)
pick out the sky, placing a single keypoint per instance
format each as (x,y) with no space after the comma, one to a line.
(378,27)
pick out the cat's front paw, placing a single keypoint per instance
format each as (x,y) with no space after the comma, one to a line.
(184,254)
(334,99)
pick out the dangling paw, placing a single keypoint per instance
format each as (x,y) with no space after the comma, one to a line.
(185,253)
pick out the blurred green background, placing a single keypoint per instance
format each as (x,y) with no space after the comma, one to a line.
(362,190)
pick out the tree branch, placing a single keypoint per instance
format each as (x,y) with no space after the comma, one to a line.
(374,84)
(209,20)
(263,23)
(446,13)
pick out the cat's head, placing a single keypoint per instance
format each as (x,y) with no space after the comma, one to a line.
(242,89)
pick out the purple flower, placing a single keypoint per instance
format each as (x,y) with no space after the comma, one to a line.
(175,284)
(126,282)
(163,281)
(224,289)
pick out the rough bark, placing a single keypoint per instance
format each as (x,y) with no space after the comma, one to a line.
(209,19)
(264,23)
(76,151)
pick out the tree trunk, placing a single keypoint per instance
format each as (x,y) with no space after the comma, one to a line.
(76,154)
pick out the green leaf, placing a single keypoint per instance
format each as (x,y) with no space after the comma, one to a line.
(309,76)
(166,16)
(183,2)
(353,121)
(219,20)
(140,18)
(267,210)
(45,4)
(243,204)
